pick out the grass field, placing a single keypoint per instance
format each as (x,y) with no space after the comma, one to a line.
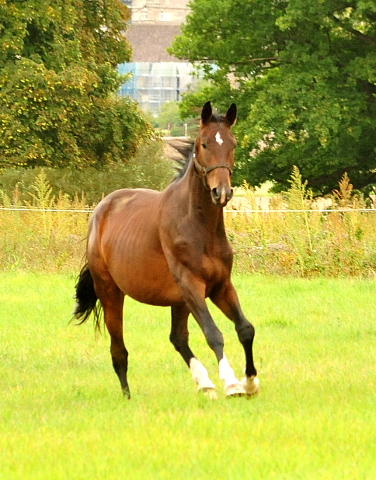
(62,415)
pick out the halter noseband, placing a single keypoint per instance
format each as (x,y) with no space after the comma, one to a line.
(205,170)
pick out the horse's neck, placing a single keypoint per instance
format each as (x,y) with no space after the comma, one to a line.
(200,204)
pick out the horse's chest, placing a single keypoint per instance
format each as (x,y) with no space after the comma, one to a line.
(214,269)
(209,260)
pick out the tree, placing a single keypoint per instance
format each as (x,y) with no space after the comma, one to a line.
(169,115)
(304,78)
(58,80)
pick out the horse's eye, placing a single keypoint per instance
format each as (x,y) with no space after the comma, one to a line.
(203,145)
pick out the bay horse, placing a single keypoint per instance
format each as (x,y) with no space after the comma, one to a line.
(170,248)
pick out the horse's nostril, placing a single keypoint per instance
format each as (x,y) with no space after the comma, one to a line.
(216,193)
(221,195)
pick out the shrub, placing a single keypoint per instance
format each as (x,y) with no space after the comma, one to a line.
(148,169)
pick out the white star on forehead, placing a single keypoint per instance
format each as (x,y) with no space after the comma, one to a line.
(218,138)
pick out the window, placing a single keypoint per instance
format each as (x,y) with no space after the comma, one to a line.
(165,16)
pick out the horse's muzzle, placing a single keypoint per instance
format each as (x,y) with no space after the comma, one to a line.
(221,195)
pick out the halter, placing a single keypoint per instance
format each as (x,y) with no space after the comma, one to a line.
(205,170)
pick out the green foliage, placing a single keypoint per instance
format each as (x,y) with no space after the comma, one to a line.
(148,169)
(58,80)
(170,115)
(304,79)
(63,33)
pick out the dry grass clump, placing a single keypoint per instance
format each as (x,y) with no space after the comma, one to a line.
(295,237)
(47,232)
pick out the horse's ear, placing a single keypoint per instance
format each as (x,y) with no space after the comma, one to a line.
(206,113)
(231,114)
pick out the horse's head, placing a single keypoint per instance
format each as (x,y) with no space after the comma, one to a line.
(214,153)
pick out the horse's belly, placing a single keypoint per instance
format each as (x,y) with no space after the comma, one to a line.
(158,293)
(147,280)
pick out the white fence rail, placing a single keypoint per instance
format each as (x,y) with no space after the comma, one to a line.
(234,211)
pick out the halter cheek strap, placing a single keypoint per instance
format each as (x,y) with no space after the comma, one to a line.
(203,171)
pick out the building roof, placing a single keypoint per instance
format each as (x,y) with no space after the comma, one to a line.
(149,42)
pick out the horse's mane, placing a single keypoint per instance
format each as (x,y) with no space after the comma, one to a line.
(181,166)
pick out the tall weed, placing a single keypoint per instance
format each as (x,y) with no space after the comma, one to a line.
(46,231)
(294,237)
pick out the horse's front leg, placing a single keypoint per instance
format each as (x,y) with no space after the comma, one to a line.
(179,338)
(193,292)
(226,299)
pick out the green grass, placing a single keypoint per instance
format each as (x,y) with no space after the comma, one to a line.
(62,415)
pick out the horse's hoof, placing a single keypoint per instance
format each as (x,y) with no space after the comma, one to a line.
(251,385)
(234,390)
(209,393)
(126,393)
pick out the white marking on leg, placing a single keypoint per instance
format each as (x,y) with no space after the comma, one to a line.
(251,385)
(218,138)
(226,373)
(200,375)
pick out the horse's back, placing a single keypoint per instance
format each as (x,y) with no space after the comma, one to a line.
(118,200)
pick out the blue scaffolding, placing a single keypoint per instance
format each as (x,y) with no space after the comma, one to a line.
(152,84)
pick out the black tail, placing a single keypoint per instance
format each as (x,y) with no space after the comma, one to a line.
(86,298)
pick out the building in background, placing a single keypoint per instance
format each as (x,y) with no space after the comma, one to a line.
(157,77)
(152,12)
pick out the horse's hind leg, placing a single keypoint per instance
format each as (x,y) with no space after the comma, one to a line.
(112,300)
(179,338)
(226,299)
